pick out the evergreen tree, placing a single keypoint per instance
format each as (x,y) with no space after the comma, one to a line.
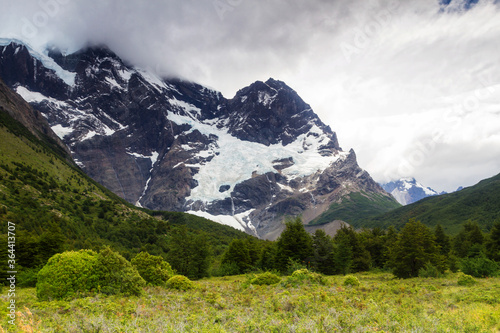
(360,256)
(442,240)
(324,260)
(50,243)
(413,249)
(267,258)
(390,239)
(469,242)
(374,242)
(238,253)
(254,250)
(493,244)
(188,253)
(444,243)
(343,257)
(294,243)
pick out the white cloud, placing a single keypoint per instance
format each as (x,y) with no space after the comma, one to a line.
(386,75)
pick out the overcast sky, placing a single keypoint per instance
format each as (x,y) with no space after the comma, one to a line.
(412,86)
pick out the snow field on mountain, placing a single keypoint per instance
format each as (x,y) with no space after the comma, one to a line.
(235,160)
(236,221)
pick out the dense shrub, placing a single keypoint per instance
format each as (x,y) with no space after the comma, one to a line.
(226,269)
(479,267)
(266,278)
(179,282)
(351,280)
(303,275)
(304,272)
(153,269)
(67,274)
(429,270)
(117,275)
(465,280)
(27,277)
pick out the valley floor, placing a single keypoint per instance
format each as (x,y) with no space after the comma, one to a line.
(380,303)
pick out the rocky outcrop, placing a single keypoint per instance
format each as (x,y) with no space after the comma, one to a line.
(33,120)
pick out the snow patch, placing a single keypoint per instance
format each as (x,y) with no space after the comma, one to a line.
(286,188)
(189,108)
(125,74)
(89,135)
(61,131)
(236,221)
(265,98)
(152,79)
(112,82)
(36,97)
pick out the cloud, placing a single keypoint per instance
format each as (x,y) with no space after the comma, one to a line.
(387,75)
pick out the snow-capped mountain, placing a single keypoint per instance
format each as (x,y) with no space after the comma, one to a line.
(408,190)
(168,144)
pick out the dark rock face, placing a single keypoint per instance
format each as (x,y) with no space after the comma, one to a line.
(32,119)
(20,68)
(175,145)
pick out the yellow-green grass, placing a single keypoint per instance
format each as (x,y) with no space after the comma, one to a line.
(379,304)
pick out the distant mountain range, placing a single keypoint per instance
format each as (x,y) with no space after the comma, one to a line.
(479,203)
(408,190)
(167,144)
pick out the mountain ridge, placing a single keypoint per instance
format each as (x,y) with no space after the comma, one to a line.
(408,190)
(168,144)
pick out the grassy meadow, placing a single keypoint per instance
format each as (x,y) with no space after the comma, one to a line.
(381,303)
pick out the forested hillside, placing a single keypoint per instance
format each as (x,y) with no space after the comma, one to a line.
(479,203)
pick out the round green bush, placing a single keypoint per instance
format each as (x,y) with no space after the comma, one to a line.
(153,269)
(117,275)
(179,282)
(71,273)
(67,274)
(301,272)
(305,276)
(465,280)
(351,280)
(266,278)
